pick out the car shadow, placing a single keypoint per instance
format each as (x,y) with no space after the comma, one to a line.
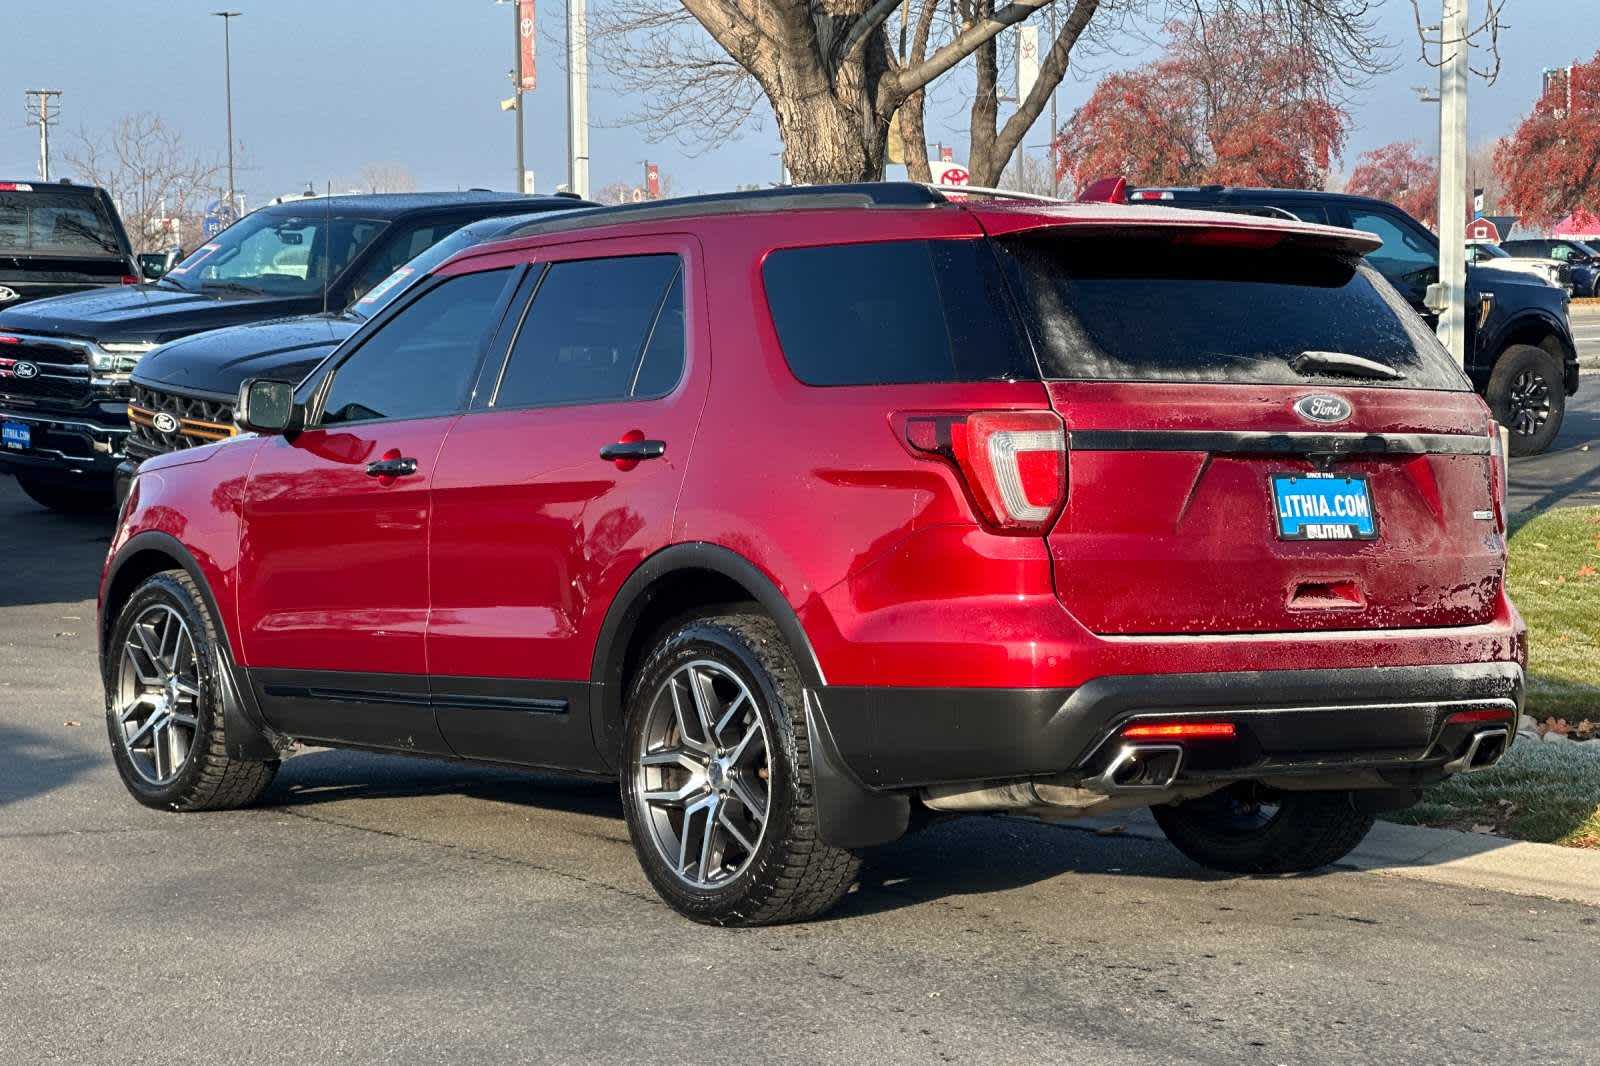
(36,764)
(50,557)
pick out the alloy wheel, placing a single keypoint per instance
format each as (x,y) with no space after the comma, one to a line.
(703,774)
(158,693)
(1528,403)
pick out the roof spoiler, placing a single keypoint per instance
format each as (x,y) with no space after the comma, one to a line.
(1105,191)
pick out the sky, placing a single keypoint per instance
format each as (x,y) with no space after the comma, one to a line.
(324,87)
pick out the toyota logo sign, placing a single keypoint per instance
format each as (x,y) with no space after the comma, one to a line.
(1324,409)
(25,370)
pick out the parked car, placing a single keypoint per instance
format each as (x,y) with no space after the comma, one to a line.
(1547,270)
(1520,351)
(63,403)
(59,238)
(183,392)
(760,503)
(1580,257)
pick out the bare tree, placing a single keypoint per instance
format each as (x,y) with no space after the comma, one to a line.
(151,174)
(1029,174)
(834,81)
(387,177)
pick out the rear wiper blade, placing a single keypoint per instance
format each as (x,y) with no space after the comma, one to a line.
(1355,366)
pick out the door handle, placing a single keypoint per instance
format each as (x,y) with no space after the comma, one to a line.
(633,450)
(403,466)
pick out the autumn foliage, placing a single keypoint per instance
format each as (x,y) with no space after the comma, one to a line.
(1551,165)
(1232,101)
(1401,174)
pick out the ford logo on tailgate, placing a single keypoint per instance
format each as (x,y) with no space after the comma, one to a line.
(1324,409)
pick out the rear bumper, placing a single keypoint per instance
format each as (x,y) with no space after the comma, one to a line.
(65,448)
(1290,722)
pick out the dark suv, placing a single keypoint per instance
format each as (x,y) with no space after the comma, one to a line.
(65,362)
(803,511)
(1580,257)
(1520,351)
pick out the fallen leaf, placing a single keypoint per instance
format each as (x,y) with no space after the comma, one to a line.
(70,724)
(1587,571)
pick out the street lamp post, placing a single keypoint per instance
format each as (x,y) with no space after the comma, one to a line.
(227,18)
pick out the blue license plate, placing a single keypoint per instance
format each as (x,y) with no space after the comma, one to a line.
(17,436)
(1323,507)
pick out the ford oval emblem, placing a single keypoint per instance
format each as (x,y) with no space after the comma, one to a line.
(165,423)
(7,295)
(1323,409)
(24,370)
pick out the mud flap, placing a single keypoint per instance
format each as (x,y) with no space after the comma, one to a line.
(247,736)
(849,815)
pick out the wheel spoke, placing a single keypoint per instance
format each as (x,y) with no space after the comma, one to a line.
(730,824)
(171,631)
(752,734)
(187,688)
(188,720)
(752,803)
(154,653)
(708,839)
(694,789)
(126,712)
(177,746)
(157,748)
(151,724)
(684,735)
(699,688)
(727,716)
(684,836)
(674,757)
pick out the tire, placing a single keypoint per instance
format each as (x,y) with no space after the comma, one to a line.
(774,870)
(68,499)
(1233,832)
(1527,393)
(187,767)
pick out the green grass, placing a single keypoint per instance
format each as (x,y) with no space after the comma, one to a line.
(1554,579)
(1548,793)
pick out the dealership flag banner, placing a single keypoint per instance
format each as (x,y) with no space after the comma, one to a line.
(526,26)
(1027,60)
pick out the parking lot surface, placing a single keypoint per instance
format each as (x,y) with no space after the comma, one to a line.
(408,911)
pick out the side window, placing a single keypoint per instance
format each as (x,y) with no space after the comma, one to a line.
(398,250)
(1562,252)
(598,330)
(1404,254)
(422,361)
(894,313)
(1308,213)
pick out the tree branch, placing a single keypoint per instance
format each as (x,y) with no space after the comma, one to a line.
(964,44)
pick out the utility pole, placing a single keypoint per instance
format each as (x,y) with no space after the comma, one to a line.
(516,92)
(38,107)
(1453,58)
(227,18)
(577,98)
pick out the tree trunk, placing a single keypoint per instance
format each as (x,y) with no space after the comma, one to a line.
(984,164)
(914,137)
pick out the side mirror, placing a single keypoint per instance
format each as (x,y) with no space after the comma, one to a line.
(154,265)
(1434,299)
(268,407)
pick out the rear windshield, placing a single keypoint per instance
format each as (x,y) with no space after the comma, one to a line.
(55,222)
(895,313)
(1145,309)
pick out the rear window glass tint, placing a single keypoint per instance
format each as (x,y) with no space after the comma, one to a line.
(1126,309)
(53,222)
(894,313)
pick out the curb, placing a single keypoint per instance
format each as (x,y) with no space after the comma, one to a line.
(1436,856)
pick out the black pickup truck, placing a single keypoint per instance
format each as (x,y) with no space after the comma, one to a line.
(1520,351)
(65,362)
(57,238)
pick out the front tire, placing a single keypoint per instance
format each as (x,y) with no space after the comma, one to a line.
(717,786)
(164,711)
(1528,396)
(1241,830)
(67,499)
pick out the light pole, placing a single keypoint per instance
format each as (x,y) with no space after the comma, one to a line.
(577,98)
(227,18)
(1453,59)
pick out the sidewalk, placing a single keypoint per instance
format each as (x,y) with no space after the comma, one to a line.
(1438,856)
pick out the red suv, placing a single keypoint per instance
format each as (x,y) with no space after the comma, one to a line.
(806,512)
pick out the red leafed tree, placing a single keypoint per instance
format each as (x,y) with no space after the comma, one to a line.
(1401,174)
(1232,100)
(1551,165)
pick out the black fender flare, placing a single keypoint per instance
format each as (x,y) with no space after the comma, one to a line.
(249,737)
(848,813)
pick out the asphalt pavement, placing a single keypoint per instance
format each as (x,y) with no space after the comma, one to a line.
(378,908)
(1567,474)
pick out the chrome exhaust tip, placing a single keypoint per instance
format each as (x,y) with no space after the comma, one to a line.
(1139,768)
(1486,748)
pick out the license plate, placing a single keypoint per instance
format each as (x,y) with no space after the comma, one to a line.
(1323,507)
(16,436)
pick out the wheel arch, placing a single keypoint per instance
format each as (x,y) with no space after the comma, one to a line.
(1538,331)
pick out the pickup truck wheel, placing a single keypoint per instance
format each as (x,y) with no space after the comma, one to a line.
(163,712)
(68,499)
(717,786)
(1239,830)
(1528,396)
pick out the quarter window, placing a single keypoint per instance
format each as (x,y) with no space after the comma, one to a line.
(422,361)
(598,330)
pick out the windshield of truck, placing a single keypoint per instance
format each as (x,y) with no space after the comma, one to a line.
(275,254)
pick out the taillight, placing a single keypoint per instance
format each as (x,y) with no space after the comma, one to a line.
(130,279)
(1153,194)
(1498,474)
(1013,463)
(1180,731)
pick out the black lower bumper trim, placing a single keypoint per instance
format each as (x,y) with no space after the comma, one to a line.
(908,737)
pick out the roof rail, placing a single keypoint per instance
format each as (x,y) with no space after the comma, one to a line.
(999,194)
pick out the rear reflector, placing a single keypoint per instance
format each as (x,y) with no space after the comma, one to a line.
(130,279)
(1180,731)
(1487,714)
(1013,463)
(1497,473)
(14,186)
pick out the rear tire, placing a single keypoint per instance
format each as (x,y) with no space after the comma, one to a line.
(765,862)
(1528,395)
(1234,830)
(67,499)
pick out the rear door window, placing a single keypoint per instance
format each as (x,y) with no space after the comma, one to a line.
(895,313)
(1148,309)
